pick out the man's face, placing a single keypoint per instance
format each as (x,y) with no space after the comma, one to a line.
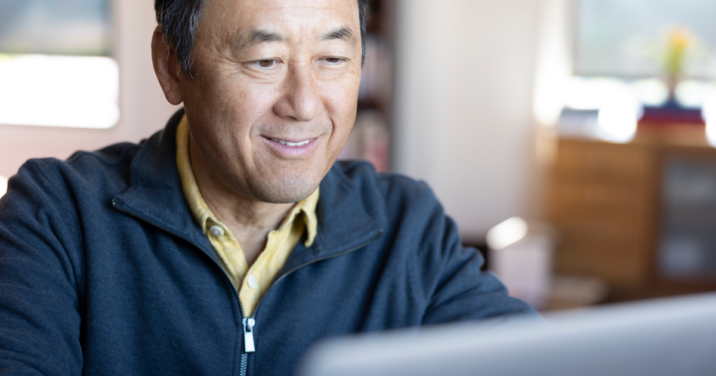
(275,92)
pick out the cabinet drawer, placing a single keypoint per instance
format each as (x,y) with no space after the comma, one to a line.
(596,160)
(617,262)
(619,233)
(620,267)
(573,200)
(613,251)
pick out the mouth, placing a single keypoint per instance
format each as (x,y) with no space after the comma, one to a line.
(295,148)
(289,143)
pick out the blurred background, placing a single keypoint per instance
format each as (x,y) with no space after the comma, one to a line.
(571,140)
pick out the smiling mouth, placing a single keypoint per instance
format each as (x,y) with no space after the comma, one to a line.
(289,143)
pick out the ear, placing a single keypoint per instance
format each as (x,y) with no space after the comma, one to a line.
(166,67)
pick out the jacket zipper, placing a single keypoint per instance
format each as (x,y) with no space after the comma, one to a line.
(248,323)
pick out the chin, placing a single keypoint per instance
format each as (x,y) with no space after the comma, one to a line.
(286,190)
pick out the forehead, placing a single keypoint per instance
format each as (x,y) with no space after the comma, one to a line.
(290,16)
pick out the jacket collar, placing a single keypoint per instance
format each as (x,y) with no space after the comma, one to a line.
(155,196)
(344,224)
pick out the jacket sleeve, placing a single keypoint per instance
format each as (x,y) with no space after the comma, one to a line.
(39,304)
(458,289)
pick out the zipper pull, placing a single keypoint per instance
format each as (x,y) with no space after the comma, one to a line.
(249,346)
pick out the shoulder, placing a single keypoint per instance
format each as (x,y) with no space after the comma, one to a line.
(106,168)
(390,186)
(110,170)
(51,198)
(84,176)
(389,195)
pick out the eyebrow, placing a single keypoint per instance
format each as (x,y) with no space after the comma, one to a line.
(342,33)
(263,36)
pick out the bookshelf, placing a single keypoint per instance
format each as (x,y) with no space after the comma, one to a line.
(371,136)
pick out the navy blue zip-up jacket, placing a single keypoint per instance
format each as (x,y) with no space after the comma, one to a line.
(103,270)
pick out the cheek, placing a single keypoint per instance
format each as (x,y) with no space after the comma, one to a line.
(245,99)
(224,112)
(236,105)
(341,100)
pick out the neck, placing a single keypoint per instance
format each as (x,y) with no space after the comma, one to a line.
(250,221)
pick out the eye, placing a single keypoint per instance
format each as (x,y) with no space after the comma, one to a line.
(333,60)
(268,63)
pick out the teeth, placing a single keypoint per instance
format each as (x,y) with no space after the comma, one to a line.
(297,143)
(292,144)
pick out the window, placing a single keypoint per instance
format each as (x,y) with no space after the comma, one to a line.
(640,62)
(55,64)
(628,38)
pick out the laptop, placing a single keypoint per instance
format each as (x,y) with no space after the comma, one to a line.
(674,336)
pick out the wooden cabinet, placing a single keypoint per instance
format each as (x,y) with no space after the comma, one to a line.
(602,199)
(622,210)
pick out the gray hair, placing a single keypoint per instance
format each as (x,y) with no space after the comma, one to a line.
(179,21)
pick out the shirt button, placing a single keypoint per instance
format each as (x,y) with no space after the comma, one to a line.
(253,283)
(216,231)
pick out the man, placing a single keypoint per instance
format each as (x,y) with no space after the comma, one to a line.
(229,242)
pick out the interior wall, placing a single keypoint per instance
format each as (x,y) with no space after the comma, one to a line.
(143,107)
(464,75)
(464,105)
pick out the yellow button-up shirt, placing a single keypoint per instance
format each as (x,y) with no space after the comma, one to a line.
(253,282)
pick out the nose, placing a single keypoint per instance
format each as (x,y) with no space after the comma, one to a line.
(301,99)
